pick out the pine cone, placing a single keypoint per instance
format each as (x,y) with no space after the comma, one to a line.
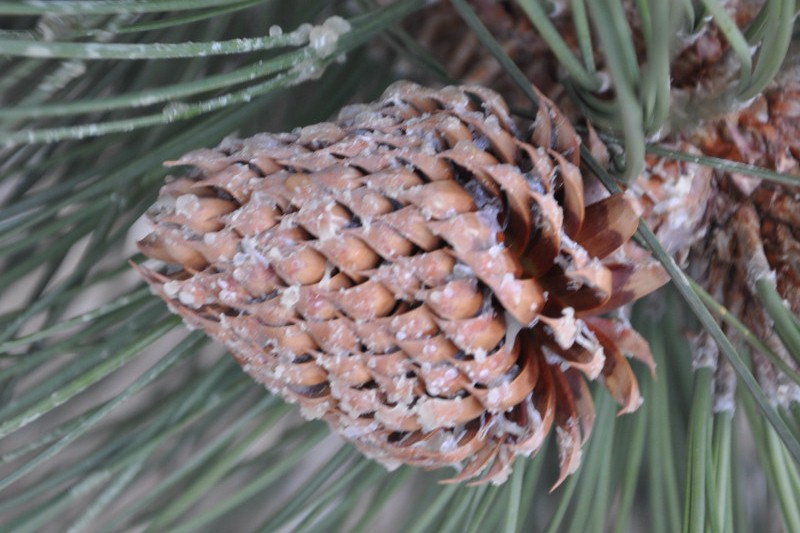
(416,274)
(752,227)
(700,69)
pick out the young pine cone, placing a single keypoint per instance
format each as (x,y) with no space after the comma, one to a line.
(416,274)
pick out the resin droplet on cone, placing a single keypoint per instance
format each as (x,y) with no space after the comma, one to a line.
(418,274)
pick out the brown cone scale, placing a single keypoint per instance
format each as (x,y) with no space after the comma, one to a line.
(417,274)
